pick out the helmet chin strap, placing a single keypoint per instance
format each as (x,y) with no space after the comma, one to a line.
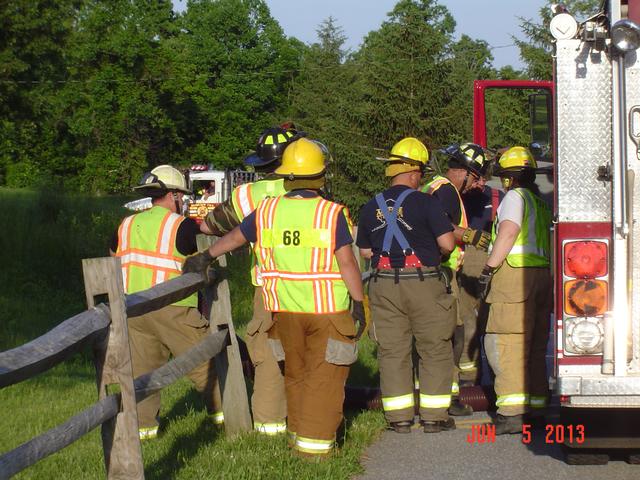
(464,183)
(177,202)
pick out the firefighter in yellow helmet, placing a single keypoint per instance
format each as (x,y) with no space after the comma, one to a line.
(146,262)
(268,401)
(404,233)
(303,246)
(466,170)
(516,282)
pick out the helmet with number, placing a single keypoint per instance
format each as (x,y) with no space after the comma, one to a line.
(303,158)
(270,147)
(408,155)
(162,179)
(468,156)
(515,160)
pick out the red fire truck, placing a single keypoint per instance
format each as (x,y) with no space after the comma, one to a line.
(588,122)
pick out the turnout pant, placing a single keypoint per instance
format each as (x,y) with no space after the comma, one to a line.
(470,311)
(154,337)
(520,304)
(318,350)
(401,312)
(268,402)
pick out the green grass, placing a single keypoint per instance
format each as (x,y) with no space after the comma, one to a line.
(46,236)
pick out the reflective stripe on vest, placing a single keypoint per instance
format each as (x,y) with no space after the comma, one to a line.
(295,251)
(531,247)
(244,200)
(397,403)
(435,401)
(148,252)
(455,258)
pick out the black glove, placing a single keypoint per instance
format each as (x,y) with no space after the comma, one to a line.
(484,280)
(478,238)
(359,318)
(200,263)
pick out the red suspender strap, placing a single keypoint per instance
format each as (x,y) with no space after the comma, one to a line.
(495,201)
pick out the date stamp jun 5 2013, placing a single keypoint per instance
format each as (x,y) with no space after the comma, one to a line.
(553,433)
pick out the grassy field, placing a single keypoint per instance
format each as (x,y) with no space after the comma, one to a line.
(46,236)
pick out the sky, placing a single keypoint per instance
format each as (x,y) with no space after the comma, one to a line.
(494,21)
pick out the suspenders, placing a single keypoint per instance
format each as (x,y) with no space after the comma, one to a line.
(393,231)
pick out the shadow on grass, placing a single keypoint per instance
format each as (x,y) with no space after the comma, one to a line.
(183,448)
(185,445)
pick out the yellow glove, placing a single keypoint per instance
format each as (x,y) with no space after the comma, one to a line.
(478,238)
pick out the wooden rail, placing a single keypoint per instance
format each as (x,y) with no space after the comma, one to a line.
(104,328)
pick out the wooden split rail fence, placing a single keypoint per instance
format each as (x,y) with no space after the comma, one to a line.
(104,327)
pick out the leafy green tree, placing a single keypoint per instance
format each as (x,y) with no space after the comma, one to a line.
(234,65)
(469,60)
(34,37)
(109,115)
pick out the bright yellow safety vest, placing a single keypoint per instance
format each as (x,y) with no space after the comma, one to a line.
(244,200)
(531,248)
(454,262)
(148,253)
(295,251)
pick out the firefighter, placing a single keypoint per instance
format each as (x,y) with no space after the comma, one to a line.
(145,262)
(466,169)
(268,402)
(481,207)
(404,234)
(303,247)
(517,284)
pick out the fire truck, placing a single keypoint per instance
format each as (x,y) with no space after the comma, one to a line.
(588,122)
(209,188)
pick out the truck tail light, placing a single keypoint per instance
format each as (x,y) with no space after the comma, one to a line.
(585,295)
(585,259)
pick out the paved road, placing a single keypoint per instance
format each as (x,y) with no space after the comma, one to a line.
(448,455)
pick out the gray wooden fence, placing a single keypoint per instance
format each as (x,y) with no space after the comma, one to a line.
(104,327)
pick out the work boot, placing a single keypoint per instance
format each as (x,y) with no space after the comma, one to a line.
(437,426)
(401,427)
(459,409)
(507,425)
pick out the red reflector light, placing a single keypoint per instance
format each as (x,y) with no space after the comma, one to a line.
(585,259)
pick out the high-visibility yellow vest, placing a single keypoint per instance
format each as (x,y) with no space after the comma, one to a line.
(454,261)
(295,251)
(245,198)
(531,248)
(148,253)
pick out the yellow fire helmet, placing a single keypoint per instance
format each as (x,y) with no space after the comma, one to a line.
(302,158)
(408,155)
(516,159)
(163,177)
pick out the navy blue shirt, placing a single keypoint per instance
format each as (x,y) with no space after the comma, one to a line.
(448,198)
(480,207)
(249,228)
(421,219)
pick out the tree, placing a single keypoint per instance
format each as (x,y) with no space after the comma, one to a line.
(235,64)
(34,35)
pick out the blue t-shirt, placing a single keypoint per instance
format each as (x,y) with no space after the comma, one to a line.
(421,219)
(249,228)
(480,207)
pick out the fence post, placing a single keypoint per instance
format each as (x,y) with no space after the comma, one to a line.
(235,402)
(120,441)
